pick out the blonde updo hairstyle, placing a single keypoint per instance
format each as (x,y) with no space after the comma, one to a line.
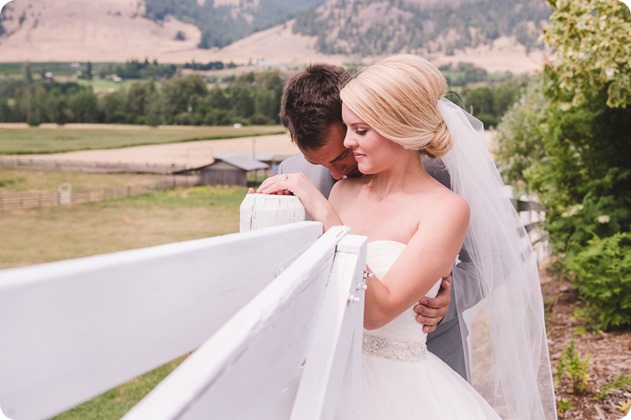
(398,98)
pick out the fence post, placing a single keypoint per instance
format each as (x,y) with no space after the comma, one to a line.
(65,193)
(264,210)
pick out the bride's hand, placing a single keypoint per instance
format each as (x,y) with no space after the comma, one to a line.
(285,184)
(301,186)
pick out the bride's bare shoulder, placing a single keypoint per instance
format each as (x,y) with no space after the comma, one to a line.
(444,203)
(449,205)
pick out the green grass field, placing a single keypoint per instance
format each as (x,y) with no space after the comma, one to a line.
(59,69)
(54,139)
(45,234)
(104,85)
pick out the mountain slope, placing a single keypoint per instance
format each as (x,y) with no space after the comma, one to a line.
(68,30)
(224,21)
(373,27)
(118,30)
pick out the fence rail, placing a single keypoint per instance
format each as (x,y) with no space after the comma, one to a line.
(532,215)
(88,166)
(281,341)
(14,201)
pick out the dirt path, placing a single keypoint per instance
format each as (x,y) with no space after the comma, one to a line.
(189,154)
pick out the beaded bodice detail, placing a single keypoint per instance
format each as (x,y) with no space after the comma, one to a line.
(401,339)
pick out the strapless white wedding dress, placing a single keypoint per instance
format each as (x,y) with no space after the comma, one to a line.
(401,380)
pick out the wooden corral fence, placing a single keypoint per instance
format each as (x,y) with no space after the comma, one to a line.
(532,215)
(89,166)
(12,201)
(274,317)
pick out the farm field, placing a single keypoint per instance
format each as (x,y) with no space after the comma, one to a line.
(46,234)
(50,138)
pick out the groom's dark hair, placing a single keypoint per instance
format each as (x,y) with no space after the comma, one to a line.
(311,104)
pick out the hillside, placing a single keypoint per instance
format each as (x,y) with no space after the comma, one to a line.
(223,22)
(119,30)
(373,27)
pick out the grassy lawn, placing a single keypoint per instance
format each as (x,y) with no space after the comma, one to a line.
(57,139)
(116,402)
(53,233)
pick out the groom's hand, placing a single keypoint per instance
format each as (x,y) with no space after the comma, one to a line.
(430,311)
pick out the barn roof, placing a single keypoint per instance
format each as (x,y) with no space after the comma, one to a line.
(240,160)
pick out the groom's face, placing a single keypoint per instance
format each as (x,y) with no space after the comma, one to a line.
(333,155)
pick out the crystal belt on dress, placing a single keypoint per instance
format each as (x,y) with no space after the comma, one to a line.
(404,351)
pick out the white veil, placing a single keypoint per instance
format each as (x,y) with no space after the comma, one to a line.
(508,353)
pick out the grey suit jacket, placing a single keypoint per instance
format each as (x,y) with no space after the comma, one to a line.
(447,341)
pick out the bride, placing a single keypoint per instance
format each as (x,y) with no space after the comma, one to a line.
(394,112)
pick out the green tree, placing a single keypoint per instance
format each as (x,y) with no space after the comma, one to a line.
(84,106)
(593,52)
(112,106)
(568,139)
(583,175)
(6,113)
(27,75)
(153,110)
(181,95)
(33,103)
(88,71)
(57,109)
(519,135)
(138,100)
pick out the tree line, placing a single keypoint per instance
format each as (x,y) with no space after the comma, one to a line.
(251,98)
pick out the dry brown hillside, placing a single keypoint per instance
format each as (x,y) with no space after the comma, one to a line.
(116,31)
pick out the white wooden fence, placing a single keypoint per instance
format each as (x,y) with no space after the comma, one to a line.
(532,215)
(273,316)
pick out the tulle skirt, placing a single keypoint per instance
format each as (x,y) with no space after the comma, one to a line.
(427,389)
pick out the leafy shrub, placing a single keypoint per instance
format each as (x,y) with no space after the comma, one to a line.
(519,134)
(603,279)
(574,367)
(619,383)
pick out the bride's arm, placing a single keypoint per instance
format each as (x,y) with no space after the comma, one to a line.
(428,256)
(311,198)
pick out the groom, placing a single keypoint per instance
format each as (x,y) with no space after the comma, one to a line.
(311,110)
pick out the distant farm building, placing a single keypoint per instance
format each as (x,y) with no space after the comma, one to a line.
(272,159)
(231,169)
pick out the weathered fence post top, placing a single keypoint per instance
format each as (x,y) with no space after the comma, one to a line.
(265,210)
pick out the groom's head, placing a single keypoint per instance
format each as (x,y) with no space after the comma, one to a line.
(311,110)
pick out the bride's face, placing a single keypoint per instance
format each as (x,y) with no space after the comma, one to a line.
(373,152)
